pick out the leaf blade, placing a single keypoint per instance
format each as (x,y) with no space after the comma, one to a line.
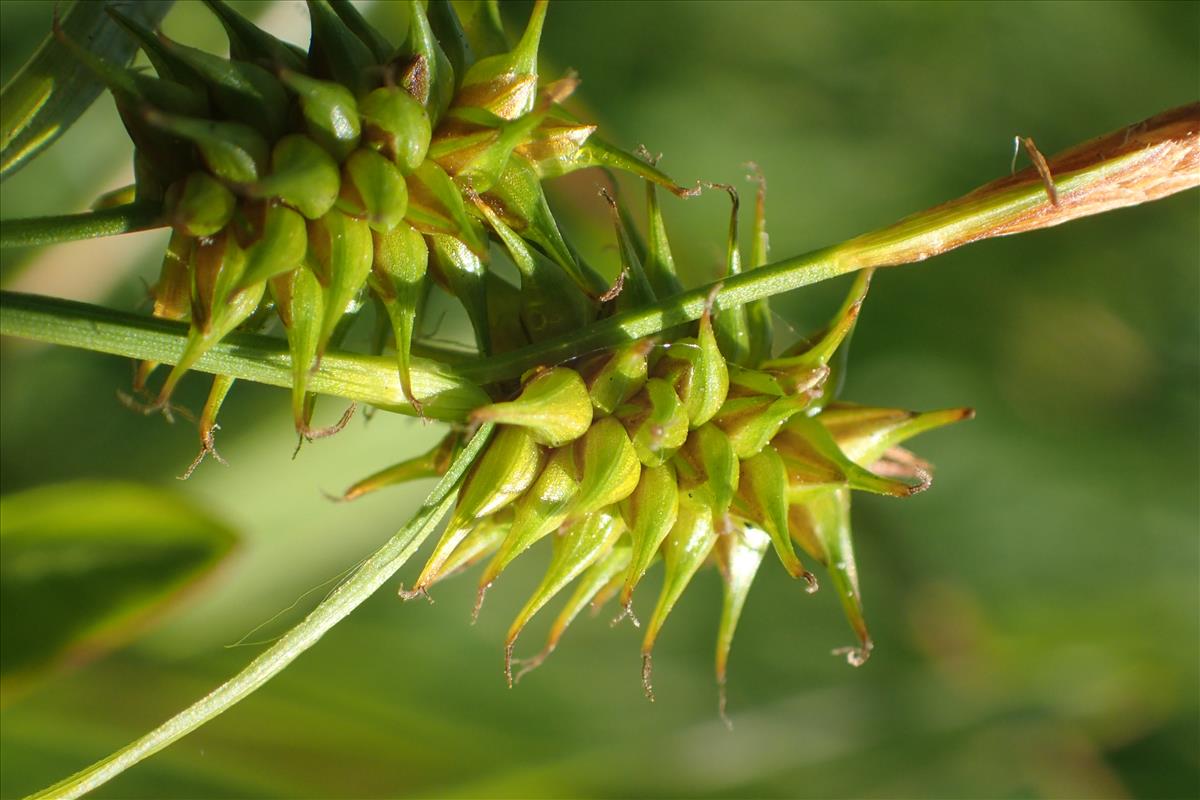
(53,89)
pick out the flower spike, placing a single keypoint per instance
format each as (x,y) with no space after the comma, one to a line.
(309,185)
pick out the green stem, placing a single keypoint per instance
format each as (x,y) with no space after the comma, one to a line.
(1144,162)
(445,395)
(776,278)
(374,572)
(88,225)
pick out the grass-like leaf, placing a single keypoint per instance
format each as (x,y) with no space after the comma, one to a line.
(53,89)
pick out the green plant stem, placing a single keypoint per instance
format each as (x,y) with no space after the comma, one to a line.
(1138,164)
(373,573)
(1144,162)
(368,379)
(88,225)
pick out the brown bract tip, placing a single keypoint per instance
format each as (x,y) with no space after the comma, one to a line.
(856,656)
(207,446)
(647,673)
(1043,169)
(508,662)
(417,591)
(614,291)
(479,596)
(530,664)
(722,704)
(626,611)
(312,434)
(810,581)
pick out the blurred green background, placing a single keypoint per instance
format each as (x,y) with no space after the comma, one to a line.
(1035,613)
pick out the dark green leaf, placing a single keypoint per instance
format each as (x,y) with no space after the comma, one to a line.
(52,90)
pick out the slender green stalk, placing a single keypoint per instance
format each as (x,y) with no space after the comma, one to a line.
(374,572)
(88,225)
(368,379)
(1134,165)
(1138,164)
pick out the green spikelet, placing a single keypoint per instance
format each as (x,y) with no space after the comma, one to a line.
(310,185)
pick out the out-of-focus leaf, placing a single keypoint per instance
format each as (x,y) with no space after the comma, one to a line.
(84,565)
(53,89)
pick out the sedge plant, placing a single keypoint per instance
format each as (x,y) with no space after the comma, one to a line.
(626,423)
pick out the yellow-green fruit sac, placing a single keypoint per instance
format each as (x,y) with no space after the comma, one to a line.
(608,465)
(396,125)
(397,280)
(340,252)
(302,175)
(538,512)
(751,422)
(279,246)
(554,407)
(233,152)
(763,490)
(204,206)
(699,373)
(657,422)
(650,514)
(503,473)
(684,550)
(330,113)
(709,455)
(373,189)
(619,376)
(512,461)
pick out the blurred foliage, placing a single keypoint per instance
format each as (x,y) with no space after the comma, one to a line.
(94,560)
(1035,613)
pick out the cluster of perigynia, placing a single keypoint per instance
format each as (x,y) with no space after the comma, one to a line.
(673,452)
(299,184)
